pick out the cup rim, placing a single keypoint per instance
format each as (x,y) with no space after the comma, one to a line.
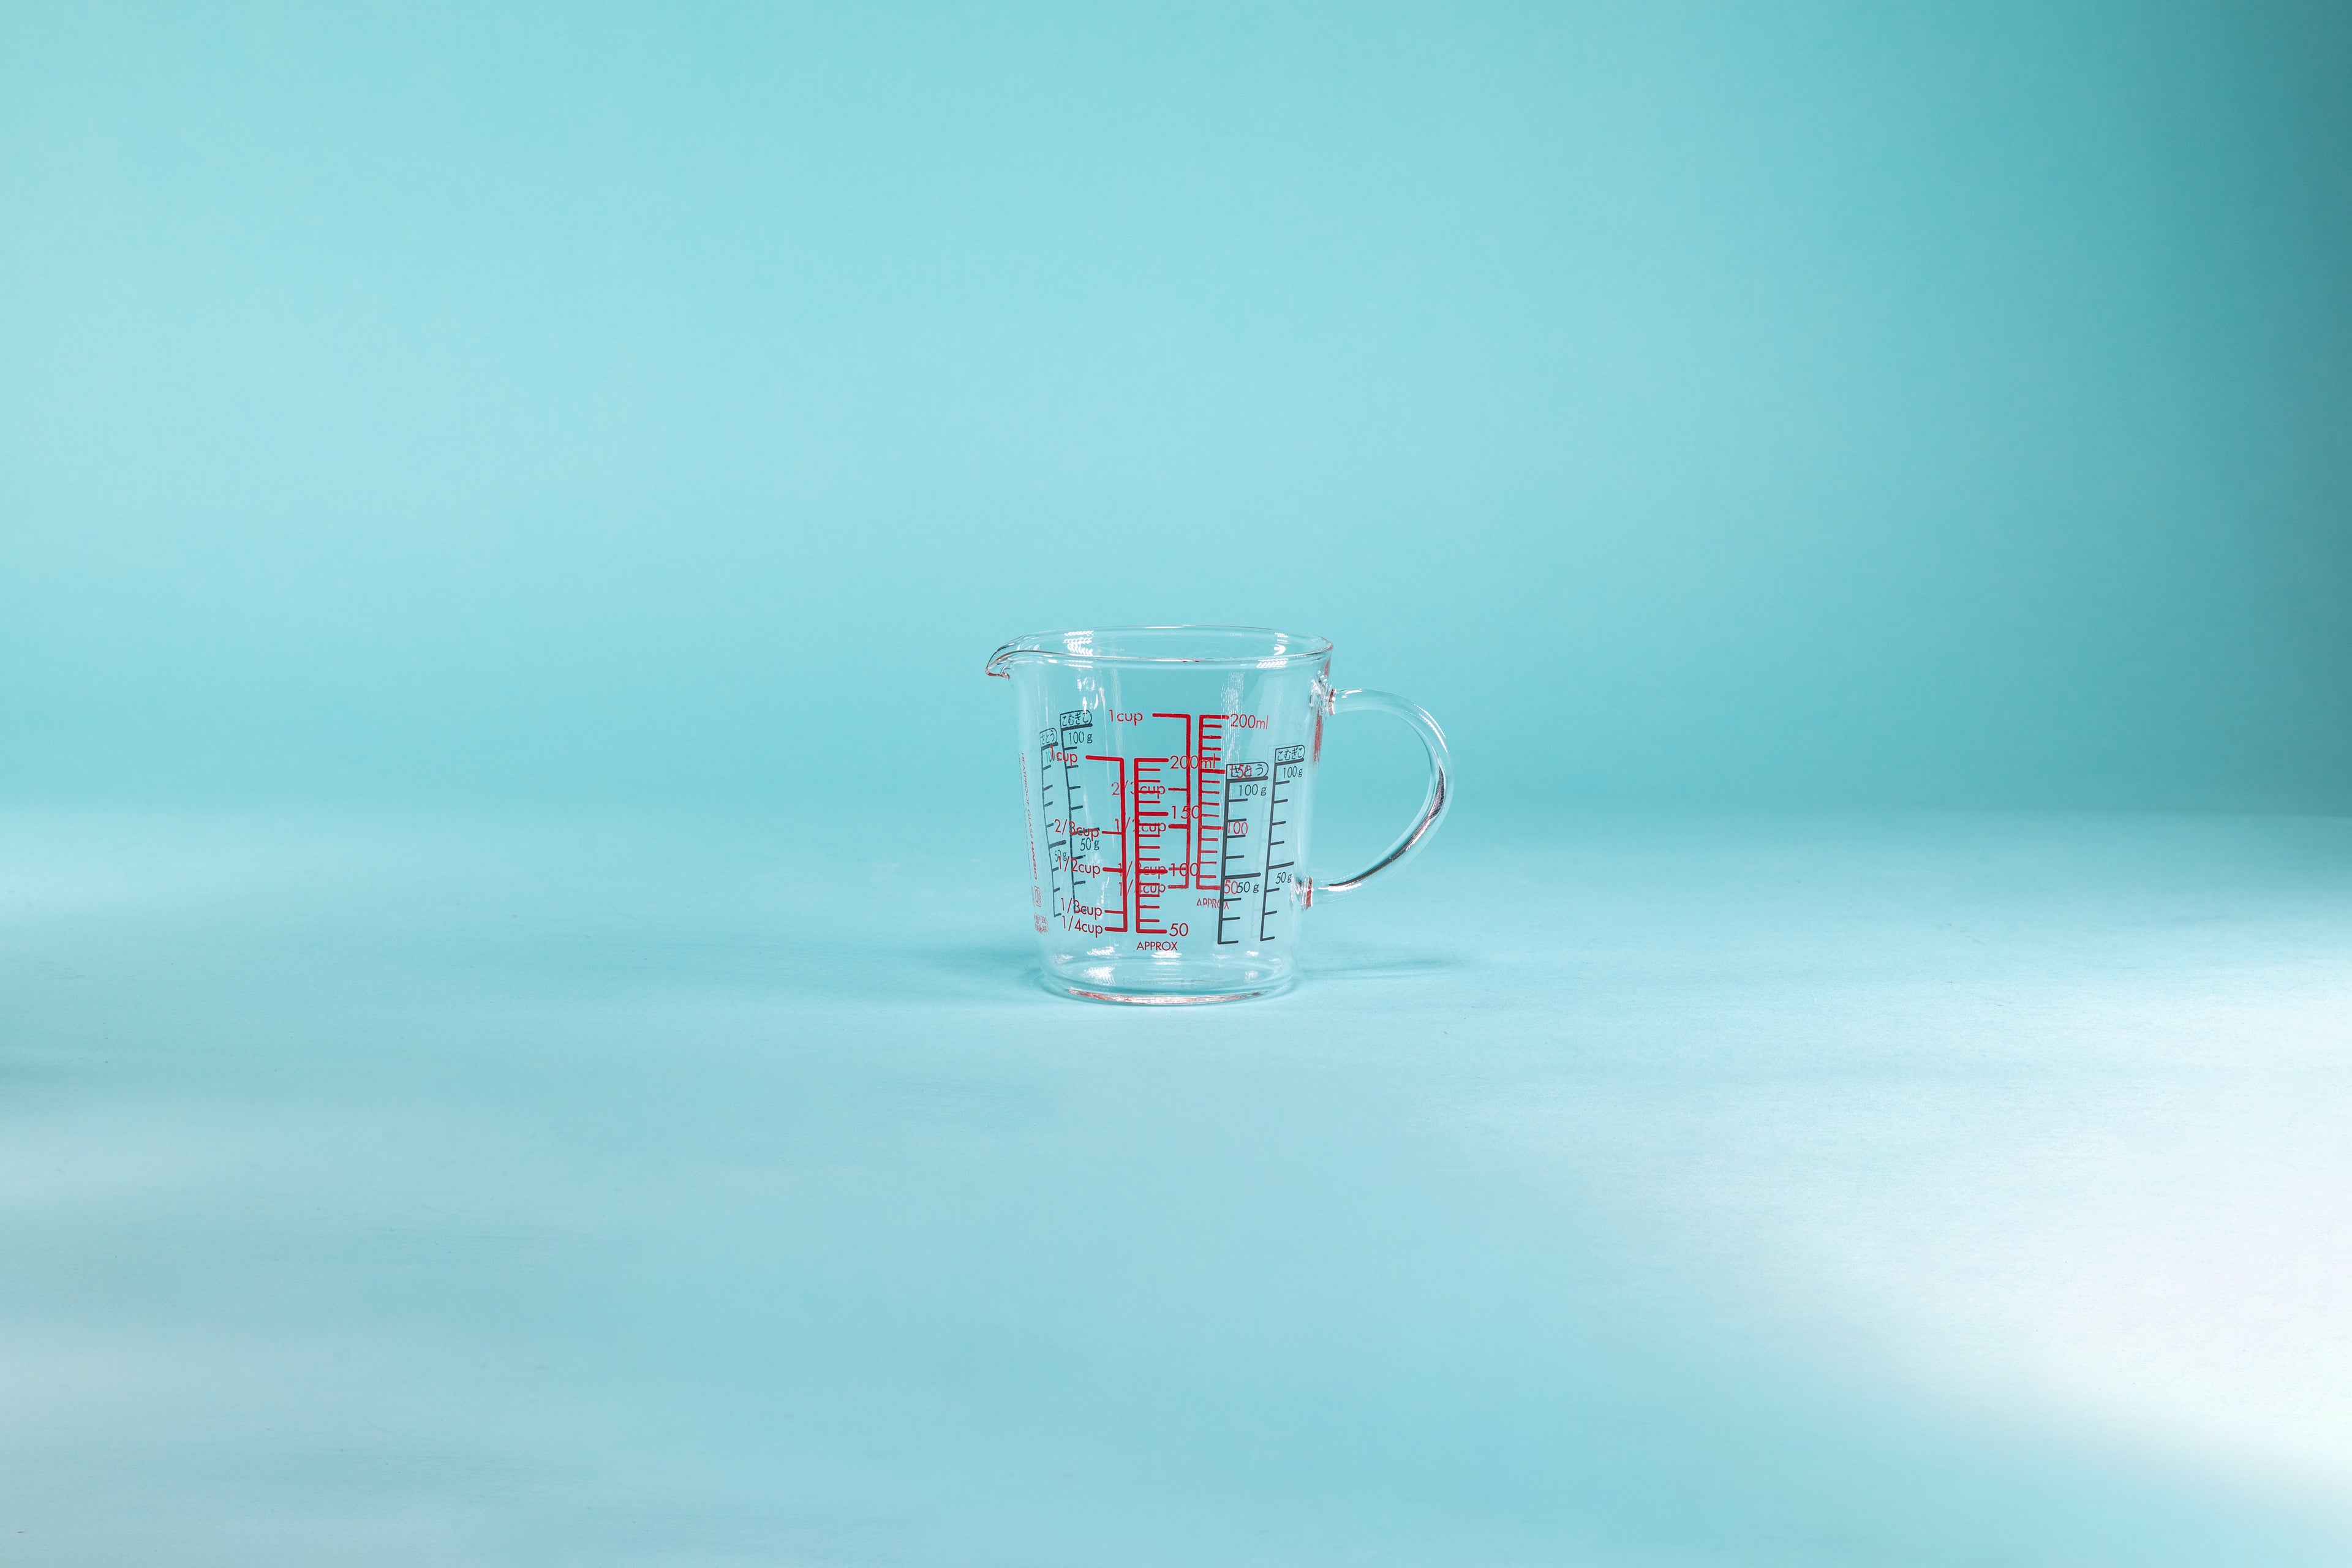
(1143,644)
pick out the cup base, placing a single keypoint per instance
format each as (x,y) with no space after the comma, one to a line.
(1160,982)
(1060,987)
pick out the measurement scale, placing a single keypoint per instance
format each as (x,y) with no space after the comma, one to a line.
(1150,842)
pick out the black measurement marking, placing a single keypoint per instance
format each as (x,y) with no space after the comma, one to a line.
(1057,843)
(1078,730)
(1229,884)
(1289,762)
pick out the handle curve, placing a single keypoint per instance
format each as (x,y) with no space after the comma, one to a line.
(1441,791)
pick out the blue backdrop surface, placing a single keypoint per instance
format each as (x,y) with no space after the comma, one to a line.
(516,1043)
(1619,1191)
(1811,404)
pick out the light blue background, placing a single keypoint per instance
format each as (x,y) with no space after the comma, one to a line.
(516,1044)
(1726,403)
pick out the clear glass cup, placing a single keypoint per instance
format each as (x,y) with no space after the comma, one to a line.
(1170,779)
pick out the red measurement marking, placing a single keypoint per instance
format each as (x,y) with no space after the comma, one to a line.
(1209,802)
(1182,791)
(1182,815)
(1126,892)
(1150,822)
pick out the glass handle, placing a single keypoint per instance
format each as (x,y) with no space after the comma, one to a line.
(1440,792)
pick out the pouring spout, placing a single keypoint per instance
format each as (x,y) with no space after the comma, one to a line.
(1003,657)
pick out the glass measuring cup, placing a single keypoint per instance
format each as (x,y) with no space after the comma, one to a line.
(1169,774)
